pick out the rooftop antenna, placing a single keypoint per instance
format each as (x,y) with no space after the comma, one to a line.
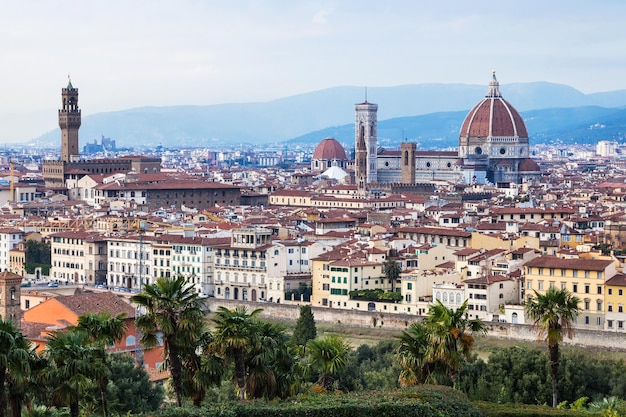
(366,94)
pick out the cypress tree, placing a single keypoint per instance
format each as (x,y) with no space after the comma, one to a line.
(305,327)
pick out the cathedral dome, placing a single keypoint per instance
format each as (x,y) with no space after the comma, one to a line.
(528,165)
(493,117)
(329,149)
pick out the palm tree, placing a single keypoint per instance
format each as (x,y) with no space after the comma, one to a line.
(450,336)
(14,360)
(172,312)
(328,356)
(270,364)
(411,354)
(201,368)
(103,331)
(554,313)
(72,359)
(436,348)
(236,334)
(392,270)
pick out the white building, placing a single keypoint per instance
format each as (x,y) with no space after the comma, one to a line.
(10,238)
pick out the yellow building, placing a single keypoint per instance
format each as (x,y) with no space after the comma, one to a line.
(615,299)
(584,278)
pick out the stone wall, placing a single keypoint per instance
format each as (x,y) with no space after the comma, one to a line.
(522,332)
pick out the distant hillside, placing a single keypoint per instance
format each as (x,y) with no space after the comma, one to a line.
(435,109)
(440,130)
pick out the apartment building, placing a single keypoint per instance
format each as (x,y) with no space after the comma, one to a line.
(615,299)
(78,257)
(584,278)
(241,265)
(10,238)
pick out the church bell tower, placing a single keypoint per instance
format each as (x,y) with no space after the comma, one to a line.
(69,122)
(10,295)
(365,127)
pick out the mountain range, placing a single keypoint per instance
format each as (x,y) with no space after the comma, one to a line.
(430,114)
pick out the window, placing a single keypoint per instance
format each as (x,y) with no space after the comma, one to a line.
(620,308)
(598,321)
(540,285)
(587,274)
(586,305)
(610,291)
(586,319)
(599,289)
(599,305)
(609,324)
(130,340)
(409,286)
(586,288)
(575,273)
(610,307)
(619,292)
(620,324)
(574,287)
(529,285)
(563,286)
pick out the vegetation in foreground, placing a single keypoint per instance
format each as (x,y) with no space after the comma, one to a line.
(247,366)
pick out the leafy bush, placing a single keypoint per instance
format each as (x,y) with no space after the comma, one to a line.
(524,410)
(423,401)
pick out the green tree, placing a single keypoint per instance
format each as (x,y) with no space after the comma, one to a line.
(553,314)
(236,334)
(412,354)
(201,368)
(328,356)
(14,360)
(451,336)
(392,270)
(438,345)
(103,330)
(130,389)
(172,311)
(37,254)
(270,364)
(71,358)
(305,329)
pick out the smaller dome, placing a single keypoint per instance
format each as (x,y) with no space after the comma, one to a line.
(528,165)
(329,149)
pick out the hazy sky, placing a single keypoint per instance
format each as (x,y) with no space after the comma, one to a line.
(131,53)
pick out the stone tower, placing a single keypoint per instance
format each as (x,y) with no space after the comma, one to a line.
(407,151)
(360,165)
(10,295)
(365,128)
(69,122)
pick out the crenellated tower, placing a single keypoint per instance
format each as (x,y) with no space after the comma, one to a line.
(69,122)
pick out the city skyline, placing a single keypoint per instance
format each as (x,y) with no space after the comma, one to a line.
(124,55)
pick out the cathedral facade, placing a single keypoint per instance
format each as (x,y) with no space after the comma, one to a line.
(493,148)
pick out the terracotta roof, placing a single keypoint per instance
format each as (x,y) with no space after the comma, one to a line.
(92,302)
(571,263)
(330,149)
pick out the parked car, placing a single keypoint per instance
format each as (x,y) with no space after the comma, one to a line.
(53,284)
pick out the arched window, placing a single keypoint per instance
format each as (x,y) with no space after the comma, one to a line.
(458,298)
(406,157)
(438,296)
(514,318)
(445,297)
(130,340)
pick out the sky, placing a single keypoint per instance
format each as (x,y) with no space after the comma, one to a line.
(122,54)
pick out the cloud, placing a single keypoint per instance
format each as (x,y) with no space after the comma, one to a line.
(321,17)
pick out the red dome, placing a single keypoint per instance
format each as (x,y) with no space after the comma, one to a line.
(493,117)
(528,165)
(329,149)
